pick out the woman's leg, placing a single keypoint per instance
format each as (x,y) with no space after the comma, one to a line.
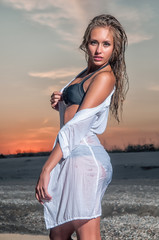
(62,232)
(87,229)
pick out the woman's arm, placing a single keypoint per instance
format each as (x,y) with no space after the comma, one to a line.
(42,184)
(41,191)
(98,90)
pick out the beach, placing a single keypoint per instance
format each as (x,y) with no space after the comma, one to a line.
(130,207)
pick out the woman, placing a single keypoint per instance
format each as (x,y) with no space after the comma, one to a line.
(78,171)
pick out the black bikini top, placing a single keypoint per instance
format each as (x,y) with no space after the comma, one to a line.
(74,94)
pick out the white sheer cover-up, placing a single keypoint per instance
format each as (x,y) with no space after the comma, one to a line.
(78,182)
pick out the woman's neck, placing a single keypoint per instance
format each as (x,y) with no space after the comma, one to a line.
(92,68)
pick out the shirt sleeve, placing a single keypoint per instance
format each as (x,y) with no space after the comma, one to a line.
(74,131)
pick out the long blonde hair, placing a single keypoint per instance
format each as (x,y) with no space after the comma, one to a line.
(116,61)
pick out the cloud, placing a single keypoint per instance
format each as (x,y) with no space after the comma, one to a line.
(134,19)
(45,121)
(137,38)
(33,132)
(154,88)
(60,75)
(69,22)
(56,74)
(58,15)
(62,23)
(29,5)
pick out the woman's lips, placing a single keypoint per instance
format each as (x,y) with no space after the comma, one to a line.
(97,58)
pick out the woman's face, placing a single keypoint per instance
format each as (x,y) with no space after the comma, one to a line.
(100,46)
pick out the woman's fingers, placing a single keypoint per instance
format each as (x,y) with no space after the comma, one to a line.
(37,197)
(55,98)
(53,105)
(56,93)
(47,195)
(53,101)
(42,194)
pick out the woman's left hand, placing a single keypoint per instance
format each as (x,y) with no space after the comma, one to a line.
(41,190)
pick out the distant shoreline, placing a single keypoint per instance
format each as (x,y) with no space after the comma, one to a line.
(129,148)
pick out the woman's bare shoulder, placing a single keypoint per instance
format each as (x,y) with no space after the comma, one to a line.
(104,78)
(99,89)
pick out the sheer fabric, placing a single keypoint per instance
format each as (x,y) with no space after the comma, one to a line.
(78,182)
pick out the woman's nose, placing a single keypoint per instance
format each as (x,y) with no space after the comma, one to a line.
(98,49)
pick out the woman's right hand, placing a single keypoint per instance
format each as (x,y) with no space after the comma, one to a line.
(41,190)
(55,98)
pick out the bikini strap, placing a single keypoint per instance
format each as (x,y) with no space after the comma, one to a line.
(93,73)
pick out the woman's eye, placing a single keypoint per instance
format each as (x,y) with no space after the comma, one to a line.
(106,44)
(93,42)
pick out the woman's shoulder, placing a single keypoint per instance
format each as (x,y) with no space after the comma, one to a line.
(104,78)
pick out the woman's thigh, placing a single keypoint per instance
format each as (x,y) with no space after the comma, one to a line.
(87,229)
(62,232)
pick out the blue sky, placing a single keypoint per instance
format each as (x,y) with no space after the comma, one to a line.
(39,54)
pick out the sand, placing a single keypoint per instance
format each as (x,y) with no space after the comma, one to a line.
(22,237)
(130,205)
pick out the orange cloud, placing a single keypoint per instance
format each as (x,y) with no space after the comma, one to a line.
(42,139)
(121,137)
(27,140)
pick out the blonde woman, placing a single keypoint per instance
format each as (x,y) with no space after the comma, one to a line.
(78,171)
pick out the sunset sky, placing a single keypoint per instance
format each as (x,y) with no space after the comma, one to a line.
(39,53)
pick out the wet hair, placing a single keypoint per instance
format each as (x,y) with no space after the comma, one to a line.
(116,61)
